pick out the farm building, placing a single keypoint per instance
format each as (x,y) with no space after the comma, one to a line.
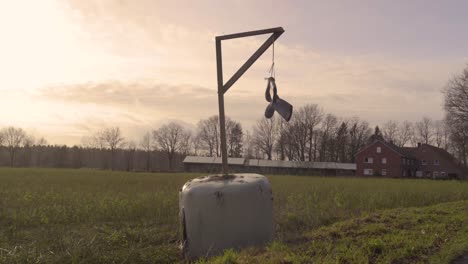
(213,165)
(381,158)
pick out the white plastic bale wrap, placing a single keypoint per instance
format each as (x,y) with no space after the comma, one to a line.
(220,212)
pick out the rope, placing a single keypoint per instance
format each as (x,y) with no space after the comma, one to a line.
(272,68)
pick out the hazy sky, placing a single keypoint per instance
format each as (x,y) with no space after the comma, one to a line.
(68,68)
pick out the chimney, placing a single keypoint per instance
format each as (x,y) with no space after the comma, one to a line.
(419,144)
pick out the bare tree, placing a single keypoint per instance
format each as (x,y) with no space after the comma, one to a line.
(265,135)
(342,142)
(185,143)
(328,140)
(94,141)
(456,98)
(284,144)
(251,149)
(146,144)
(196,144)
(172,138)
(249,146)
(445,135)
(405,133)
(359,133)
(424,130)
(390,131)
(234,138)
(208,132)
(113,139)
(456,109)
(310,115)
(208,136)
(459,138)
(438,133)
(14,138)
(303,131)
(298,139)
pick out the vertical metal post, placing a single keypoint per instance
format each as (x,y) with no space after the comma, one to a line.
(222,119)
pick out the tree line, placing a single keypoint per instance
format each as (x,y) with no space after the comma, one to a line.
(310,135)
(105,149)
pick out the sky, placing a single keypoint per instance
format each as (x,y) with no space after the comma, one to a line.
(71,67)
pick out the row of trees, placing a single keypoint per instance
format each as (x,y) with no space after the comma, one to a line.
(171,139)
(106,149)
(13,139)
(311,135)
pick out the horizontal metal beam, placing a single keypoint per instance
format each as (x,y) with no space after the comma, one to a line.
(251,61)
(251,33)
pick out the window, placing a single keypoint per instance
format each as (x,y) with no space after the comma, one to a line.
(442,174)
(379,150)
(436,162)
(435,174)
(368,160)
(384,160)
(368,172)
(403,161)
(384,172)
(423,162)
(419,173)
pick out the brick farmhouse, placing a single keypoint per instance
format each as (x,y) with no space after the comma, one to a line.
(381,158)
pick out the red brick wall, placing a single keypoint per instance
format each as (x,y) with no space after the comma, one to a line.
(394,165)
(427,153)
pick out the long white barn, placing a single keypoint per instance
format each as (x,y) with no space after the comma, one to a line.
(213,165)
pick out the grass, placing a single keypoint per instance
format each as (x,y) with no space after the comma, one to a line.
(89,216)
(433,234)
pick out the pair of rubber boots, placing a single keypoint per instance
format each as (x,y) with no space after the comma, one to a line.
(276,103)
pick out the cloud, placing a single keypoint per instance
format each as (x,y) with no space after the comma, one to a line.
(124,93)
(148,67)
(141,106)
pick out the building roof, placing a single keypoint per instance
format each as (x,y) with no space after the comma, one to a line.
(442,152)
(213,160)
(410,152)
(301,164)
(404,152)
(272,163)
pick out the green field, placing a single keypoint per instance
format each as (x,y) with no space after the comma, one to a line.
(88,216)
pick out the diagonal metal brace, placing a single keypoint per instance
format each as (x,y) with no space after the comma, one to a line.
(276,34)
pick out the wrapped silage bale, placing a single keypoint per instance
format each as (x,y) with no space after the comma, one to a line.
(220,212)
